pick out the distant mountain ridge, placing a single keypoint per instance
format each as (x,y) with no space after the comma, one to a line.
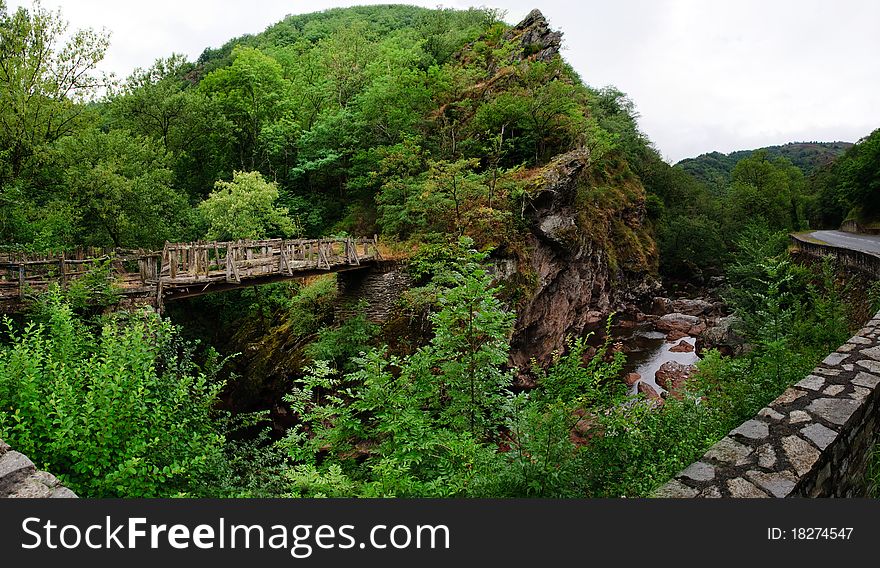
(715,168)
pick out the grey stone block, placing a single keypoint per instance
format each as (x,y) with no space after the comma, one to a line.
(835,359)
(811,382)
(675,490)
(800,454)
(30,488)
(729,451)
(798,416)
(768,412)
(834,410)
(870,364)
(819,435)
(873,353)
(778,484)
(699,471)
(63,493)
(866,380)
(766,456)
(859,393)
(740,488)
(14,467)
(790,395)
(833,390)
(754,429)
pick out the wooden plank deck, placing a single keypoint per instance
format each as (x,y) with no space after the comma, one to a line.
(183,270)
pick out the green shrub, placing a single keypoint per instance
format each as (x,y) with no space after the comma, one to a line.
(123,413)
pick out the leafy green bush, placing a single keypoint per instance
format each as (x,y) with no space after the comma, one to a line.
(124,413)
(416,426)
(341,344)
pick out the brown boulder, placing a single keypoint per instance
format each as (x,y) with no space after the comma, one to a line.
(672,375)
(675,335)
(692,307)
(682,347)
(661,306)
(677,322)
(632,378)
(650,393)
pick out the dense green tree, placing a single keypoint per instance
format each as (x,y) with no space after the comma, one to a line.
(45,73)
(426,427)
(769,189)
(253,94)
(118,190)
(245,208)
(161,102)
(859,176)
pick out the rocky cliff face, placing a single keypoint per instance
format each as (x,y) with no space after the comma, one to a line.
(579,276)
(536,37)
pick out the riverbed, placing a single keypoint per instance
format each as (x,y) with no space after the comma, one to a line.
(647,350)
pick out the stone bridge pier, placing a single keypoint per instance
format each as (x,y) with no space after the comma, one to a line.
(378,288)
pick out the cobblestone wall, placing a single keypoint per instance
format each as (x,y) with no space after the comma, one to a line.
(380,287)
(812,441)
(20,478)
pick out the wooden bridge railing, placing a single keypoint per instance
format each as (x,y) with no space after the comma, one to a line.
(179,265)
(23,272)
(183,263)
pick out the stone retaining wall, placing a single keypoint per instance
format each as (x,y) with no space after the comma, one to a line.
(864,261)
(812,441)
(20,478)
(380,286)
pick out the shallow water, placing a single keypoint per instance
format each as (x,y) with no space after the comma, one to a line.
(646,350)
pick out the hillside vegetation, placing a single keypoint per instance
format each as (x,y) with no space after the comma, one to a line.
(469,145)
(715,169)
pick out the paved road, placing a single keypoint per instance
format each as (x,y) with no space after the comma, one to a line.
(864,243)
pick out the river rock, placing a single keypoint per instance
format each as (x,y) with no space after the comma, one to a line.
(632,378)
(682,347)
(672,375)
(675,335)
(692,307)
(650,393)
(723,337)
(678,322)
(661,306)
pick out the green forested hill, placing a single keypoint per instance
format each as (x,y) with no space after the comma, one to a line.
(408,122)
(450,134)
(714,169)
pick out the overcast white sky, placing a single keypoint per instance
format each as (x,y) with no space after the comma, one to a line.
(704,75)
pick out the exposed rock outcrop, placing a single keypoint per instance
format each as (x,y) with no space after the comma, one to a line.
(722,336)
(690,325)
(650,393)
(692,307)
(575,282)
(682,347)
(536,37)
(20,478)
(632,378)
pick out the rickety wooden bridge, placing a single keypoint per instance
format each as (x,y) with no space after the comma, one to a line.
(183,270)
